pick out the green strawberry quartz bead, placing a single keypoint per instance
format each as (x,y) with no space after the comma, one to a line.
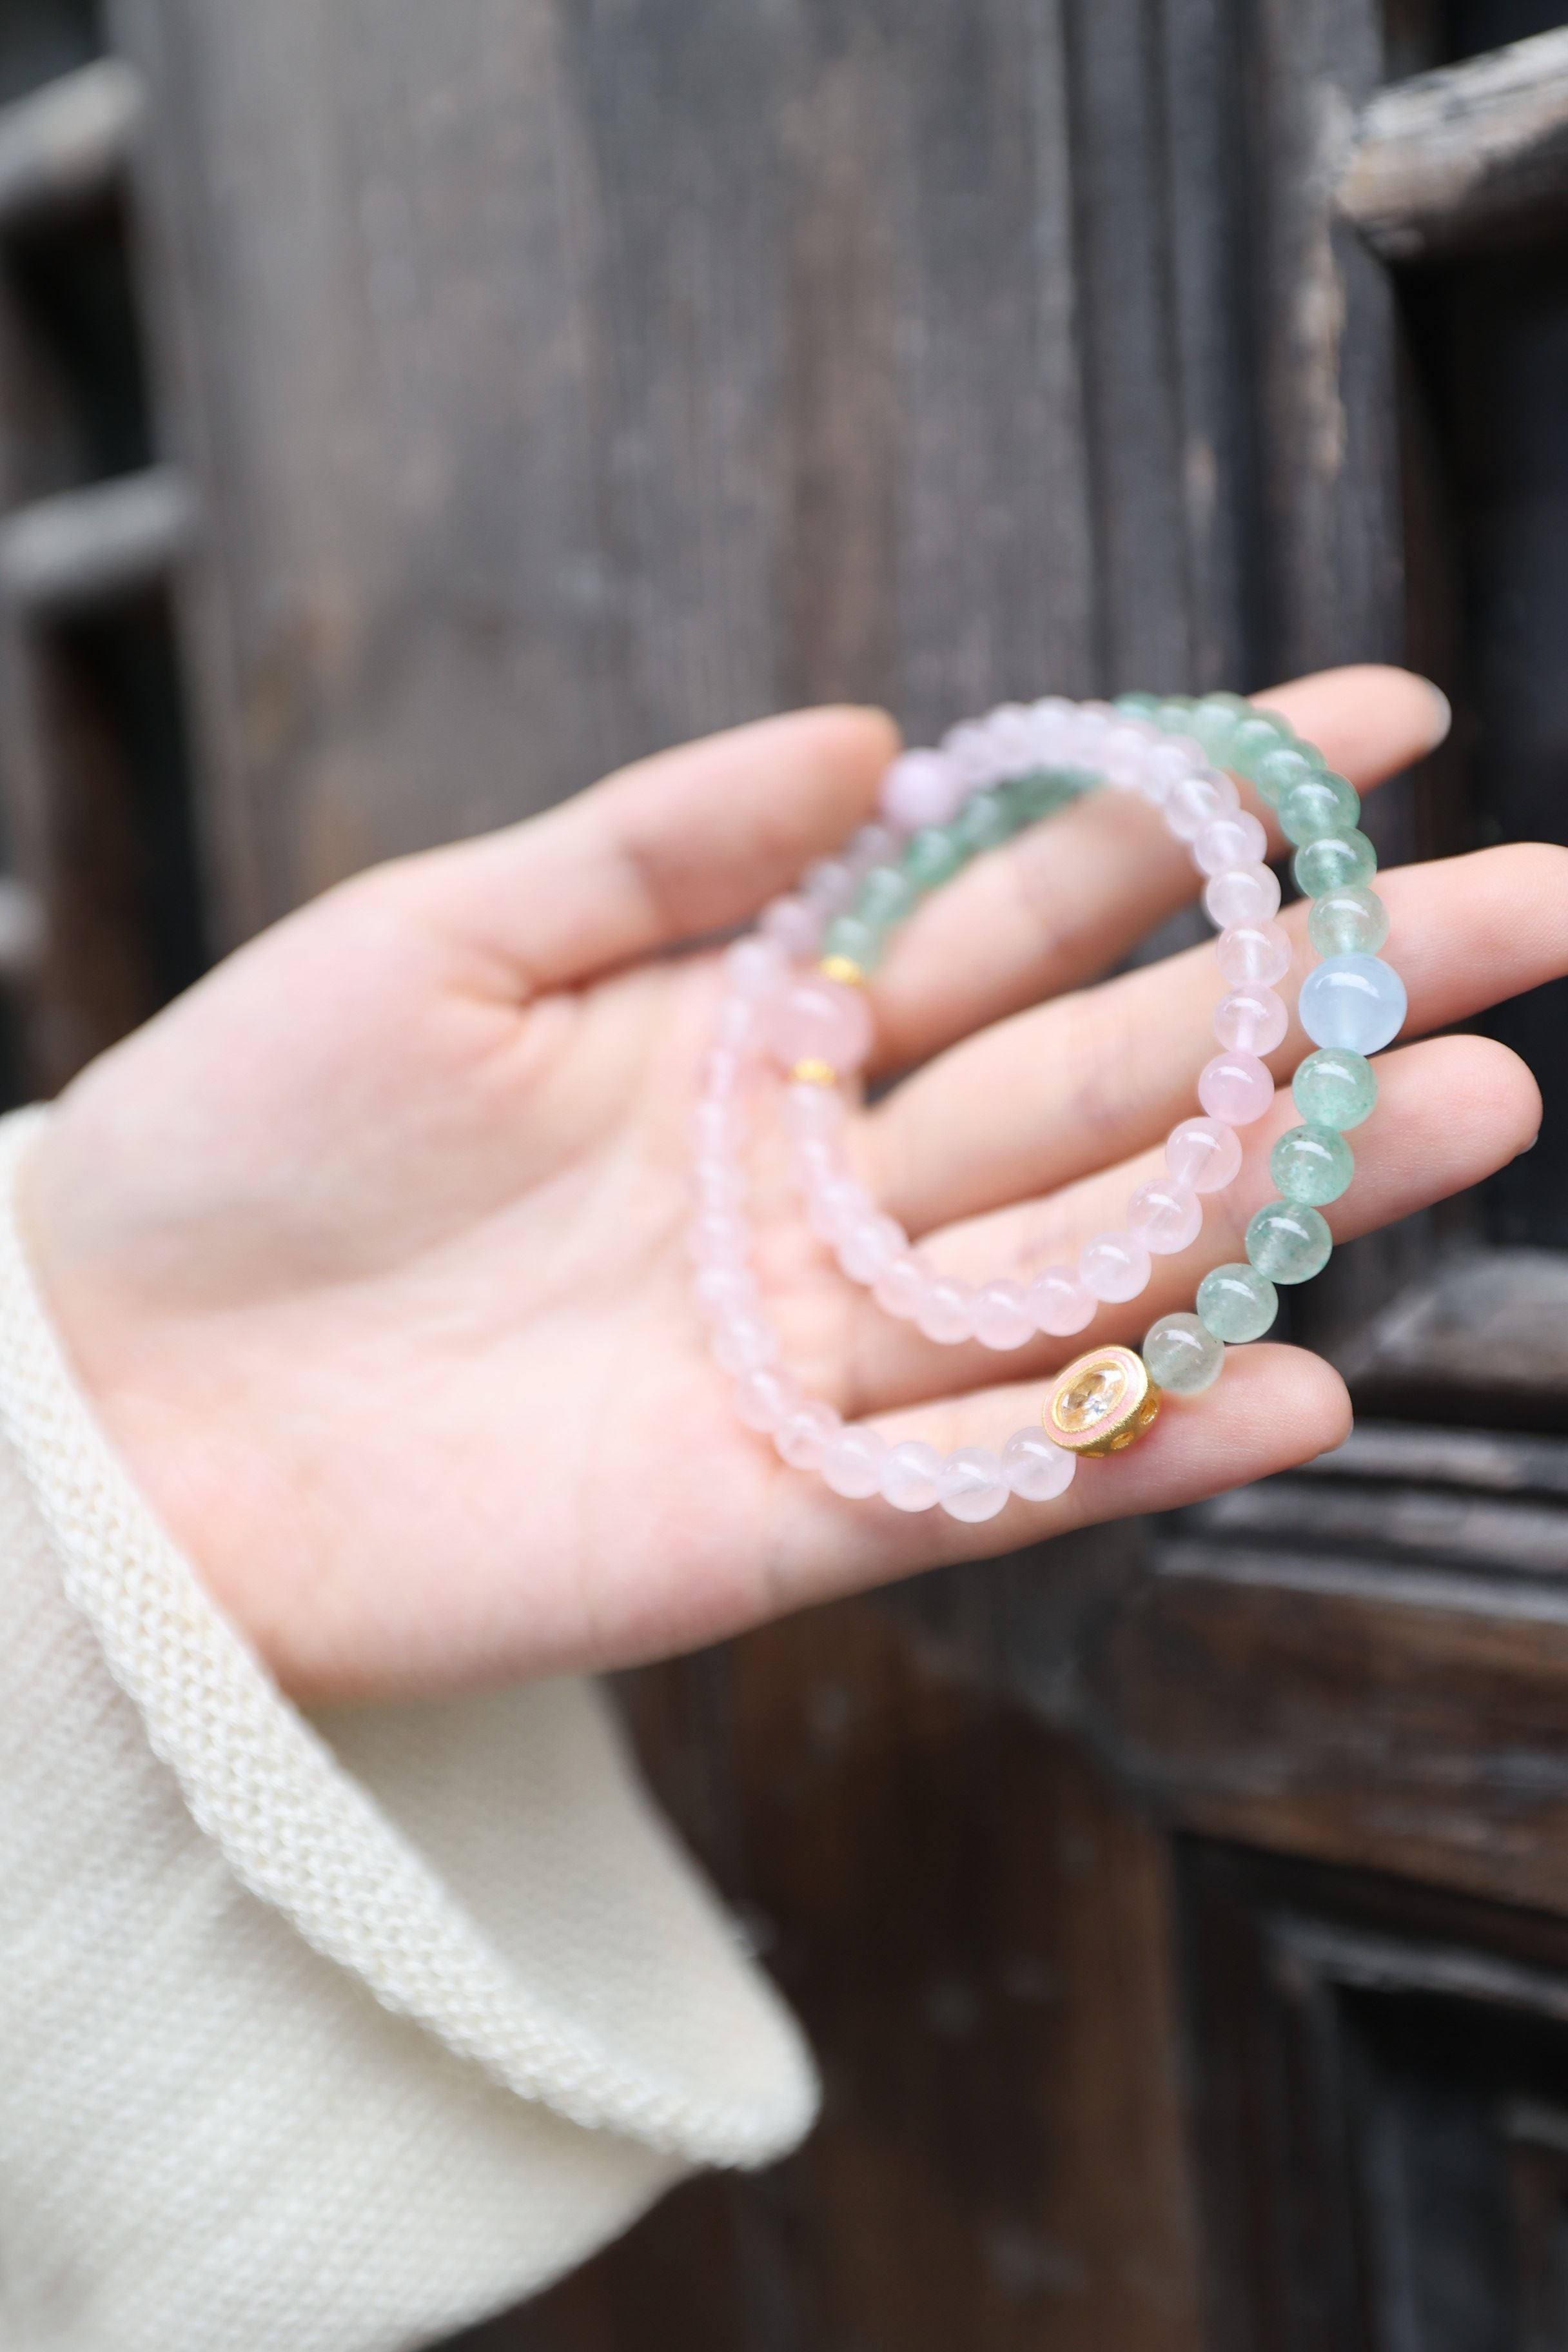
(1341,861)
(1334,1087)
(1237,1303)
(1318,804)
(1213,720)
(984,821)
(1289,1242)
(1253,739)
(933,855)
(1311,1164)
(1182,1355)
(887,896)
(1289,764)
(1354,921)
(856,940)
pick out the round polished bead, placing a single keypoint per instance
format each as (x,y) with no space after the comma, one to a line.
(804,1436)
(1289,1242)
(872,845)
(1355,1001)
(716,1124)
(983,823)
(887,897)
(735,1029)
(1166,766)
(1348,922)
(1318,804)
(1341,861)
(1164,1216)
(743,1343)
(1059,1302)
(1235,839)
(1334,1088)
(855,940)
(972,1487)
(1000,1314)
(871,1244)
(1312,1164)
(1253,954)
(1253,739)
(910,1474)
(793,925)
(1237,1303)
(1195,801)
(946,1310)
(719,1237)
(813,1111)
(718,1183)
(836,1204)
(1279,771)
(723,1290)
(1036,1468)
(1204,1154)
(1236,1088)
(933,855)
(1182,1355)
(1125,755)
(1243,894)
(901,1285)
(1251,1020)
(1114,1266)
(755,967)
(852,1461)
(921,788)
(1213,720)
(765,1400)
(820,1020)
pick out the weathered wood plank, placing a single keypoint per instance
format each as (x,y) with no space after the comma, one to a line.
(69,140)
(89,546)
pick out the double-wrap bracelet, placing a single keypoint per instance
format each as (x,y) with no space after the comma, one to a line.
(796,999)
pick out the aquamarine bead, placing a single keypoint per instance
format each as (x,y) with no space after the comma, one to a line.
(1137,704)
(1213,720)
(1352,1000)
(1348,922)
(1237,1302)
(1289,1242)
(1312,1164)
(1182,1355)
(886,896)
(1334,1088)
(933,855)
(982,822)
(1318,804)
(1287,765)
(856,940)
(1341,861)
(1174,715)
(1253,739)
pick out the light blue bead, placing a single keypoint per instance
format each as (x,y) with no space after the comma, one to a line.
(1356,1001)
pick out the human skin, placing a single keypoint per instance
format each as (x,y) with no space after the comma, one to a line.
(368,1251)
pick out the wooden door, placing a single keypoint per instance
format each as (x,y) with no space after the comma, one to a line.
(408,412)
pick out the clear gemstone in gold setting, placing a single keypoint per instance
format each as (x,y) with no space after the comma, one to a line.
(1101,1403)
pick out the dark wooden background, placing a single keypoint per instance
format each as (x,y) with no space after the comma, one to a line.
(408,413)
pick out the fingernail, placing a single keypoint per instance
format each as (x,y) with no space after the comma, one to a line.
(1442,715)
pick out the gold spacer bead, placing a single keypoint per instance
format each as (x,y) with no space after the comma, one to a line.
(844,967)
(815,1074)
(1101,1403)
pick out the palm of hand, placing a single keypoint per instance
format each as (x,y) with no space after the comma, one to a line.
(370,1253)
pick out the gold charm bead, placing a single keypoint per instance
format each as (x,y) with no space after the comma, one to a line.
(842,968)
(815,1074)
(1101,1403)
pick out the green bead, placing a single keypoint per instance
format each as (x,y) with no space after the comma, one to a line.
(1182,1355)
(1320,804)
(1287,1242)
(856,940)
(1174,715)
(1348,922)
(886,896)
(1137,704)
(1278,771)
(1030,797)
(1334,1087)
(933,855)
(1311,1164)
(1341,861)
(1253,739)
(1214,723)
(1237,1302)
(982,822)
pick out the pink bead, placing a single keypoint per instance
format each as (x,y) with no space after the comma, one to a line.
(921,788)
(716,1126)
(901,1286)
(871,1244)
(1036,1468)
(1126,749)
(970,752)
(852,1463)
(806,1434)
(874,844)
(1242,894)
(1196,801)
(828,885)
(910,1474)
(1253,954)
(1235,839)
(755,967)
(820,1020)
(1166,767)
(719,1237)
(1001,1317)
(743,1343)
(813,1111)
(1251,1020)
(735,1030)
(1114,1265)
(1204,1154)
(1058,1301)
(818,1160)
(946,1310)
(832,1208)
(793,925)
(1236,1088)
(723,1068)
(723,1290)
(765,1400)
(972,1487)
(1164,1216)
(718,1183)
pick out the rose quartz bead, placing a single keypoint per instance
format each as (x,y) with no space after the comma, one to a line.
(1243,894)
(900,1288)
(813,1111)
(723,1290)
(1036,1468)
(1058,1301)
(820,1020)
(1235,839)
(1001,1317)
(804,1436)
(755,967)
(970,752)
(1253,954)
(1166,766)
(818,1160)
(921,788)
(793,925)
(1114,1265)
(718,1183)
(716,1127)
(1251,1020)
(832,1208)
(946,1310)
(910,1472)
(719,1237)
(972,1487)
(1236,1088)
(871,1244)
(735,1029)
(743,1343)
(765,1400)
(874,844)
(723,1069)
(852,1463)
(828,885)
(1166,1217)
(1126,748)
(1204,1154)
(1196,801)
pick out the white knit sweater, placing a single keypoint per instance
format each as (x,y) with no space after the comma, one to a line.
(322,2035)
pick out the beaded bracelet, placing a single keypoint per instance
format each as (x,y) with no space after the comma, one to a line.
(938,810)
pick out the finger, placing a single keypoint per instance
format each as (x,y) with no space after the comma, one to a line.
(1052,1094)
(685,843)
(1273,1407)
(1450,1112)
(1070,897)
